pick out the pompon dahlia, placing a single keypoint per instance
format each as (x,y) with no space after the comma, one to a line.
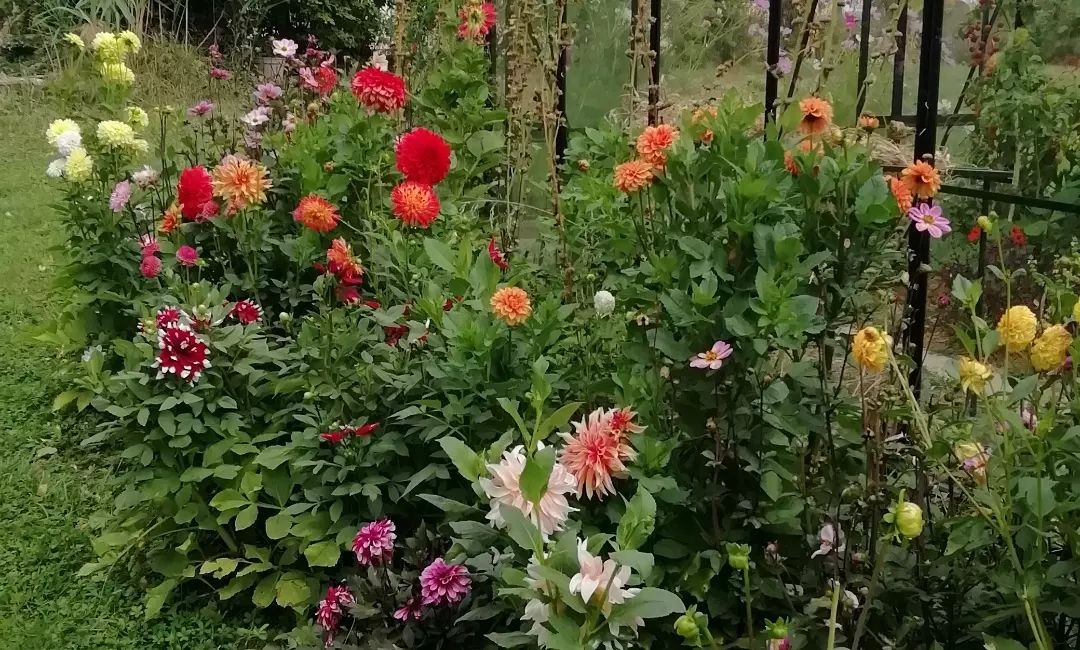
(316,213)
(415,204)
(374,542)
(633,176)
(241,182)
(496,255)
(511,305)
(180,353)
(247,312)
(921,180)
(193,190)
(653,143)
(476,20)
(900,192)
(1048,351)
(973,375)
(170,221)
(341,262)
(1017,328)
(150,266)
(504,488)
(423,156)
(871,349)
(331,610)
(187,255)
(378,90)
(444,584)
(595,454)
(817,116)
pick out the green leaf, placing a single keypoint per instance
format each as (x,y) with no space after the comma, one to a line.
(650,602)
(511,407)
(1037,493)
(169,563)
(228,500)
(534,478)
(524,532)
(220,567)
(557,419)
(264,591)
(695,247)
(1000,643)
(468,462)
(638,522)
(278,526)
(156,597)
(439,254)
(419,478)
(772,485)
(636,560)
(872,203)
(292,590)
(323,554)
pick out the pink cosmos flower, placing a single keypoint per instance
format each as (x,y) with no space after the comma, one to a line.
(267,92)
(830,538)
(713,358)
(220,74)
(150,266)
(331,609)
(201,109)
(412,608)
(929,219)
(444,584)
(256,117)
(120,196)
(374,542)
(187,256)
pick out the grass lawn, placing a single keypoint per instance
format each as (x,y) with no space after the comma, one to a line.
(49,488)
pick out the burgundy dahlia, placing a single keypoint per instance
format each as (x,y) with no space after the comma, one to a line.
(247,312)
(181,353)
(331,608)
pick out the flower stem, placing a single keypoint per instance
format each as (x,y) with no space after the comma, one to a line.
(749,607)
(832,615)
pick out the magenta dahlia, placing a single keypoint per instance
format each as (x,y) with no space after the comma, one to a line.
(181,353)
(444,584)
(150,266)
(412,608)
(332,608)
(374,542)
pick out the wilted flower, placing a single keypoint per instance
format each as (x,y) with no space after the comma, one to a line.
(871,349)
(503,488)
(374,542)
(511,305)
(1048,351)
(973,375)
(604,303)
(476,20)
(1017,328)
(830,538)
(868,122)
(973,458)
(713,358)
(146,177)
(412,608)
(331,608)
(444,584)
(817,116)
(496,255)
(341,262)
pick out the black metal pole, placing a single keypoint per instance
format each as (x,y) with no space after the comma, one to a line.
(561,127)
(654,65)
(803,42)
(899,62)
(864,58)
(772,57)
(925,146)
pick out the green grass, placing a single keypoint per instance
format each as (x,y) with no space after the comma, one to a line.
(50,490)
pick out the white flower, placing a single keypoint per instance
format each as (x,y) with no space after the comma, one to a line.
(257,117)
(503,488)
(379,60)
(538,612)
(604,303)
(284,47)
(146,177)
(56,168)
(830,539)
(67,142)
(601,582)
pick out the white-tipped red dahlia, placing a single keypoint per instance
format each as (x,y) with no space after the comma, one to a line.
(181,353)
(247,312)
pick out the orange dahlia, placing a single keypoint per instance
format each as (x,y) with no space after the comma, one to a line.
(415,204)
(633,176)
(241,182)
(170,220)
(316,213)
(901,193)
(817,116)
(653,143)
(595,454)
(512,305)
(791,164)
(342,263)
(922,180)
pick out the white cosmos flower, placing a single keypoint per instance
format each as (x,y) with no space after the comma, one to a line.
(503,488)
(284,47)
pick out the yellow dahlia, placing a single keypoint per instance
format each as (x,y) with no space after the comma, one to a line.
(59,127)
(973,375)
(129,40)
(79,166)
(137,117)
(1017,328)
(241,182)
(871,349)
(1049,350)
(116,135)
(75,39)
(117,73)
(108,48)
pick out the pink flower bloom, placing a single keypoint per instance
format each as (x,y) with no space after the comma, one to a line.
(257,117)
(120,196)
(374,542)
(779,644)
(148,245)
(150,266)
(784,65)
(929,220)
(596,453)
(503,488)
(444,584)
(600,581)
(267,92)
(713,358)
(187,256)
(331,608)
(830,538)
(215,52)
(412,608)
(850,20)
(220,74)
(201,109)
(284,47)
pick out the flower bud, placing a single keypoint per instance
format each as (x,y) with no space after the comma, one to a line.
(686,627)
(909,519)
(777,629)
(985,223)
(739,556)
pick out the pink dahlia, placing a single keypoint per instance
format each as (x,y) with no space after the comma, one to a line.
(713,358)
(595,454)
(150,266)
(444,584)
(331,608)
(148,245)
(181,353)
(412,608)
(247,312)
(187,256)
(120,196)
(378,90)
(374,542)
(503,488)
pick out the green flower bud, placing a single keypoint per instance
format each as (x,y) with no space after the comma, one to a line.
(909,519)
(686,627)
(739,556)
(777,629)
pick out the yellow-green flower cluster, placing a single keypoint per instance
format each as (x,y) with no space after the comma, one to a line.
(58,128)
(111,50)
(119,136)
(137,117)
(75,40)
(78,166)
(117,74)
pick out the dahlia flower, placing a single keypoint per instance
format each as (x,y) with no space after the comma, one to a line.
(335,437)
(56,168)
(240,182)
(511,305)
(713,358)
(74,39)
(973,375)
(170,221)
(150,266)
(633,176)
(247,312)
(973,458)
(444,584)
(187,255)
(412,608)
(58,128)
(603,303)
(830,538)
(908,518)
(504,488)
(116,73)
(1048,351)
(129,40)
(137,117)
(116,135)
(374,542)
(601,583)
(341,262)
(817,116)
(67,142)
(220,74)
(79,166)
(194,190)
(322,79)
(415,204)
(653,143)
(284,47)
(423,156)
(106,47)
(1017,236)
(166,316)
(499,260)
(316,213)
(476,20)
(921,179)
(146,177)
(871,349)
(120,196)
(378,90)
(904,197)
(180,353)
(1017,328)
(331,609)
(595,454)
(930,220)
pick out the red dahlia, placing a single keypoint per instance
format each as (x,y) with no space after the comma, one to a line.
(496,255)
(379,90)
(974,234)
(325,80)
(415,204)
(477,19)
(1017,236)
(170,316)
(193,191)
(150,266)
(181,353)
(423,156)
(247,312)
(343,264)
(316,213)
